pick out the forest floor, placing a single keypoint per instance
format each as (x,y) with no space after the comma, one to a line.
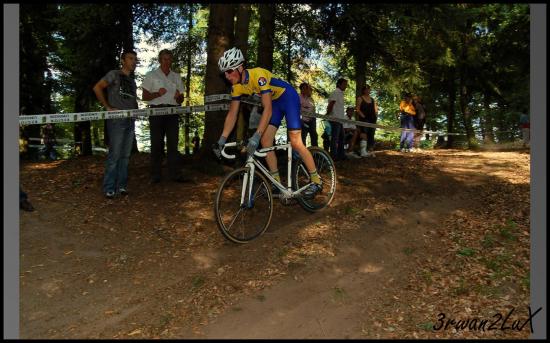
(410,242)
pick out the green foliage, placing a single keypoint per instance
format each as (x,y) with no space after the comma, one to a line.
(478,51)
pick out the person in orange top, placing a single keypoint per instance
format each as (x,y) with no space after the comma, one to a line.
(407,113)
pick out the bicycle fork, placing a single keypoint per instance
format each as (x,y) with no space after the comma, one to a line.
(247,199)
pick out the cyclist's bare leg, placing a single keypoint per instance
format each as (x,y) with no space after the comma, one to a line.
(267,141)
(298,145)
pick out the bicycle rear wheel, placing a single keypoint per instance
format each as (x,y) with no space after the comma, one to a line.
(327,172)
(242,223)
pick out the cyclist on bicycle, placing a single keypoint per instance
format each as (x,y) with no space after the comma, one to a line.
(279,99)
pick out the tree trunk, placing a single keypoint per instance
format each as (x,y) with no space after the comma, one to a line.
(220,38)
(451,90)
(360,59)
(127,27)
(266,36)
(242,25)
(82,130)
(487,120)
(288,52)
(500,123)
(35,88)
(95,135)
(466,113)
(188,76)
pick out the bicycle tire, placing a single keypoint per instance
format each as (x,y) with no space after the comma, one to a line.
(254,220)
(326,170)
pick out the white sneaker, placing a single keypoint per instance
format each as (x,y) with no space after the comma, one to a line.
(412,149)
(364,153)
(352,154)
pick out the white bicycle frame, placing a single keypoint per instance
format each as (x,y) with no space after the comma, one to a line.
(252,163)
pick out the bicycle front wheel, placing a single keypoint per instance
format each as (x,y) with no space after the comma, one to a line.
(241,223)
(327,172)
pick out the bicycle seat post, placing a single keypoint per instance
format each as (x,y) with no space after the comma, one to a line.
(289,167)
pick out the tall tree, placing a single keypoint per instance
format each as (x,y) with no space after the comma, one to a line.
(242,24)
(188,76)
(36,28)
(220,38)
(266,36)
(91,39)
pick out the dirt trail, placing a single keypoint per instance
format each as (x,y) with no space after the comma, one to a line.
(328,297)
(153,265)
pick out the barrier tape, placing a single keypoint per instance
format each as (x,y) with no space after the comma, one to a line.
(87,116)
(361,123)
(383,127)
(216,97)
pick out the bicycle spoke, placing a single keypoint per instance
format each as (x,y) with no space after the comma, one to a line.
(243,223)
(327,173)
(234,218)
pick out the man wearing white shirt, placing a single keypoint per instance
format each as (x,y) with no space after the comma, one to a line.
(164,88)
(335,109)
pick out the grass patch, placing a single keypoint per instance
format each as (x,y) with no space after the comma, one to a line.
(427,276)
(408,251)
(499,265)
(507,231)
(512,225)
(461,289)
(428,326)
(197,281)
(489,291)
(507,234)
(467,252)
(282,252)
(165,320)
(339,294)
(488,241)
(349,210)
(526,280)
(260,297)
(237,309)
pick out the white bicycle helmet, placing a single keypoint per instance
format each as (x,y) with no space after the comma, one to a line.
(230,59)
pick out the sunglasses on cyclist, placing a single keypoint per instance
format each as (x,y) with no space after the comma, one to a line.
(229,71)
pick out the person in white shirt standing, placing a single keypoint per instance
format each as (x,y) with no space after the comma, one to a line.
(164,88)
(336,110)
(307,106)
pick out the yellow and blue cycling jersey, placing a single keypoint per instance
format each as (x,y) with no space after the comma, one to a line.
(259,81)
(285,99)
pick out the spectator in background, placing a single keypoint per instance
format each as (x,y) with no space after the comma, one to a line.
(326,135)
(419,119)
(48,136)
(407,113)
(196,143)
(351,131)
(121,95)
(164,88)
(525,126)
(335,109)
(367,111)
(24,203)
(307,106)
